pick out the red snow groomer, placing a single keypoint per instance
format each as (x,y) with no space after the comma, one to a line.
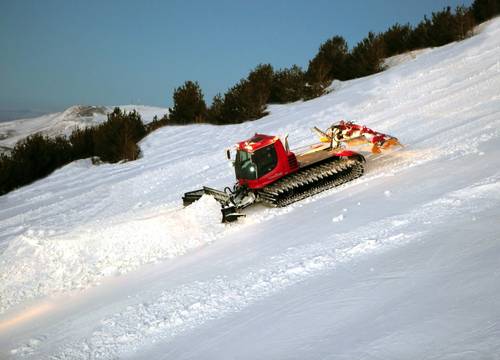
(269,172)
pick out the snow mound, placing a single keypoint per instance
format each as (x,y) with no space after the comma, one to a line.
(40,263)
(403,58)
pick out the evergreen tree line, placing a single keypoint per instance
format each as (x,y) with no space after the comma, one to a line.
(116,139)
(264,85)
(38,155)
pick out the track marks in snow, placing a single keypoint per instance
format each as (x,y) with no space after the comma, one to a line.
(191,305)
(79,258)
(43,263)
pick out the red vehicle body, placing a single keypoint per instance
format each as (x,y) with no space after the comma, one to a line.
(275,161)
(268,172)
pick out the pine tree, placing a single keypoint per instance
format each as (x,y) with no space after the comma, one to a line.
(247,100)
(288,85)
(464,22)
(189,105)
(8,177)
(117,138)
(396,39)
(215,112)
(329,62)
(419,37)
(156,123)
(366,57)
(82,143)
(258,87)
(485,9)
(33,158)
(443,29)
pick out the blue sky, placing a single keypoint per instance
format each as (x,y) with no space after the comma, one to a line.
(56,53)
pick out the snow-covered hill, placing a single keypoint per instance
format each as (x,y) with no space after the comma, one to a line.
(63,123)
(403,263)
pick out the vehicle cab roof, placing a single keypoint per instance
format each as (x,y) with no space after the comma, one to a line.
(256,142)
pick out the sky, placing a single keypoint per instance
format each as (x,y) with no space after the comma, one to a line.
(57,53)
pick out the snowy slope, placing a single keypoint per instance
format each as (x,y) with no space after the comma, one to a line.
(63,123)
(403,263)
(403,58)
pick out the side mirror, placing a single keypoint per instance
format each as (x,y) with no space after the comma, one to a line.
(287,147)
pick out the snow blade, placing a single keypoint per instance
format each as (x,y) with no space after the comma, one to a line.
(230,214)
(191,196)
(229,211)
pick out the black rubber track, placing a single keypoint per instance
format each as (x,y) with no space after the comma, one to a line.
(310,181)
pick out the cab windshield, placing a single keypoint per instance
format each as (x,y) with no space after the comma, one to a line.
(252,166)
(244,167)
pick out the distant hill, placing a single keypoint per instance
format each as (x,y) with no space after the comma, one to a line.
(63,123)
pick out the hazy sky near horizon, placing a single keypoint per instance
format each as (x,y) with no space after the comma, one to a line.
(57,53)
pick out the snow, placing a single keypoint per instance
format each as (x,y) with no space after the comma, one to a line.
(63,123)
(103,261)
(403,58)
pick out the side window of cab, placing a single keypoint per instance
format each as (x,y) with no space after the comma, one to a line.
(266,159)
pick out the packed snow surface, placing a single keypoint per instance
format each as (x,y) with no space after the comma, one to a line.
(402,263)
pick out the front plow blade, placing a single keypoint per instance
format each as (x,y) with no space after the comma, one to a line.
(228,210)
(230,214)
(191,196)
